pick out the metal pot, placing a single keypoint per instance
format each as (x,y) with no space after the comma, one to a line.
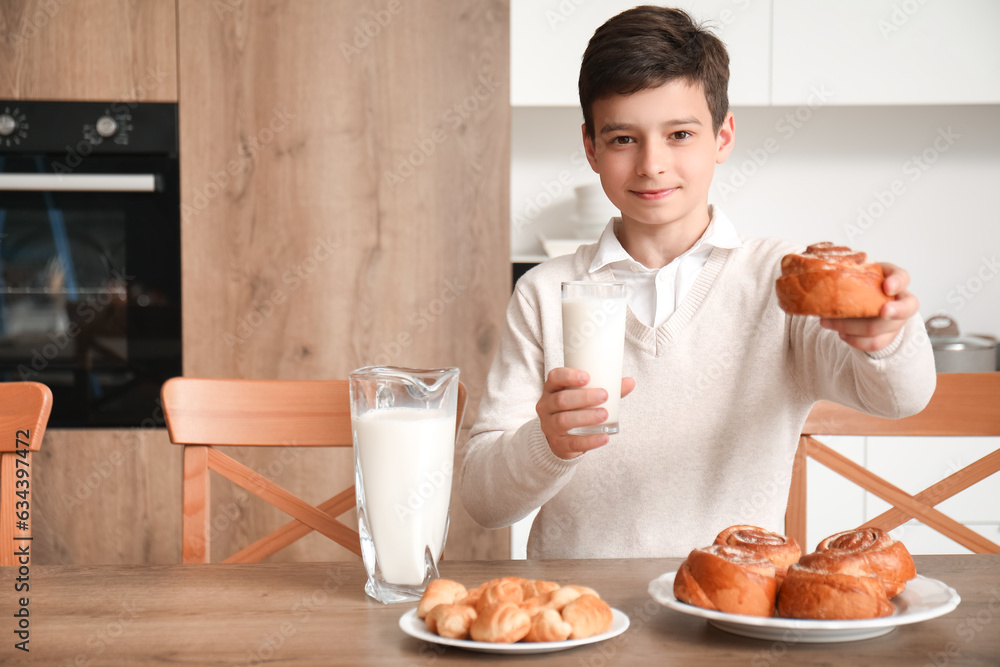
(954,353)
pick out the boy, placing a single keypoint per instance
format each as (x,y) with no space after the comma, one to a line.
(723,379)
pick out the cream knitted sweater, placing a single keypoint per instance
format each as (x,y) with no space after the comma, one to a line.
(708,435)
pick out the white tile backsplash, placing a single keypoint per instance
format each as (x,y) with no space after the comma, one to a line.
(833,504)
(921,539)
(913,464)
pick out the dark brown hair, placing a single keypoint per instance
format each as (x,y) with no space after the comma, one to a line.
(649,46)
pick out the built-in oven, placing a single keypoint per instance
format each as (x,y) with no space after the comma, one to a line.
(90,282)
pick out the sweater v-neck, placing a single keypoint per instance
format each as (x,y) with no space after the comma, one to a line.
(653,340)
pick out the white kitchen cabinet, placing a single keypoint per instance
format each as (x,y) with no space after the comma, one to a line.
(548,39)
(886,52)
(789,52)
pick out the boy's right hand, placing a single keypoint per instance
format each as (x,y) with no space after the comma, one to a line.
(565,404)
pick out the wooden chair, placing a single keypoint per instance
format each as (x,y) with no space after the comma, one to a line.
(24,414)
(204,414)
(964,404)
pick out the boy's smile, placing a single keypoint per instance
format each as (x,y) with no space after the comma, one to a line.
(656,152)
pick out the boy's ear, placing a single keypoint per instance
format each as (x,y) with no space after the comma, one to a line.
(588,147)
(726,138)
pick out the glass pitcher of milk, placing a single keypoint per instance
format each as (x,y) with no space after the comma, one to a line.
(404,424)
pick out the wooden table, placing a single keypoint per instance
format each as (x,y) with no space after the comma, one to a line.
(317,614)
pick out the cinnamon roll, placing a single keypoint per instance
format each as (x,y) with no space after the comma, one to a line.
(888,559)
(779,549)
(826,585)
(727,578)
(827,280)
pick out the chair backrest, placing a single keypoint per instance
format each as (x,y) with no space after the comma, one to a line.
(963,404)
(203,414)
(303,413)
(24,414)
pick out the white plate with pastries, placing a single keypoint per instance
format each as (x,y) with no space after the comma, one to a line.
(923,599)
(416,628)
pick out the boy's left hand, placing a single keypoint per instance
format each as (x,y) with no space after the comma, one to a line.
(871,334)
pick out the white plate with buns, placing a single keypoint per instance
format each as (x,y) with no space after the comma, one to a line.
(923,599)
(416,628)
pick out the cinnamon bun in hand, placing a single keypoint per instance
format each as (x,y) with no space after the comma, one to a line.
(727,578)
(888,559)
(827,586)
(827,280)
(779,549)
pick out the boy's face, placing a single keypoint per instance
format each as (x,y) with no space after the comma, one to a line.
(656,153)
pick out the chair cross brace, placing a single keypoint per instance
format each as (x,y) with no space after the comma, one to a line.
(306,517)
(907,506)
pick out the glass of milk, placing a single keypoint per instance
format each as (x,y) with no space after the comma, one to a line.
(404,424)
(593,315)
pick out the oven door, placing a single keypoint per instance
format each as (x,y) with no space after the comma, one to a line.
(90,290)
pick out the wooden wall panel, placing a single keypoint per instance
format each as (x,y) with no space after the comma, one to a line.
(345,202)
(106,496)
(344,173)
(101,50)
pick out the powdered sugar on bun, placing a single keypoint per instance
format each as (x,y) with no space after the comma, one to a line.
(779,549)
(888,559)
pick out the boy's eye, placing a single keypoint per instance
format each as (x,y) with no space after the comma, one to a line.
(681,134)
(621,141)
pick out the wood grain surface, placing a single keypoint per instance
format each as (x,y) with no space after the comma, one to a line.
(107,496)
(97,50)
(317,614)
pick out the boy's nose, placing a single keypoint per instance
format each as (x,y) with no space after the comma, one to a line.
(653,160)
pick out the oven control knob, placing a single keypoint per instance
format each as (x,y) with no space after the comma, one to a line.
(106,126)
(7,125)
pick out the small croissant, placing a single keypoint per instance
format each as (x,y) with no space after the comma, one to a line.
(588,615)
(534,587)
(501,591)
(583,590)
(556,600)
(451,620)
(548,626)
(439,591)
(471,597)
(503,622)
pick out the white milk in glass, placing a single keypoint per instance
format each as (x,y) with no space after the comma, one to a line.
(406,459)
(593,341)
